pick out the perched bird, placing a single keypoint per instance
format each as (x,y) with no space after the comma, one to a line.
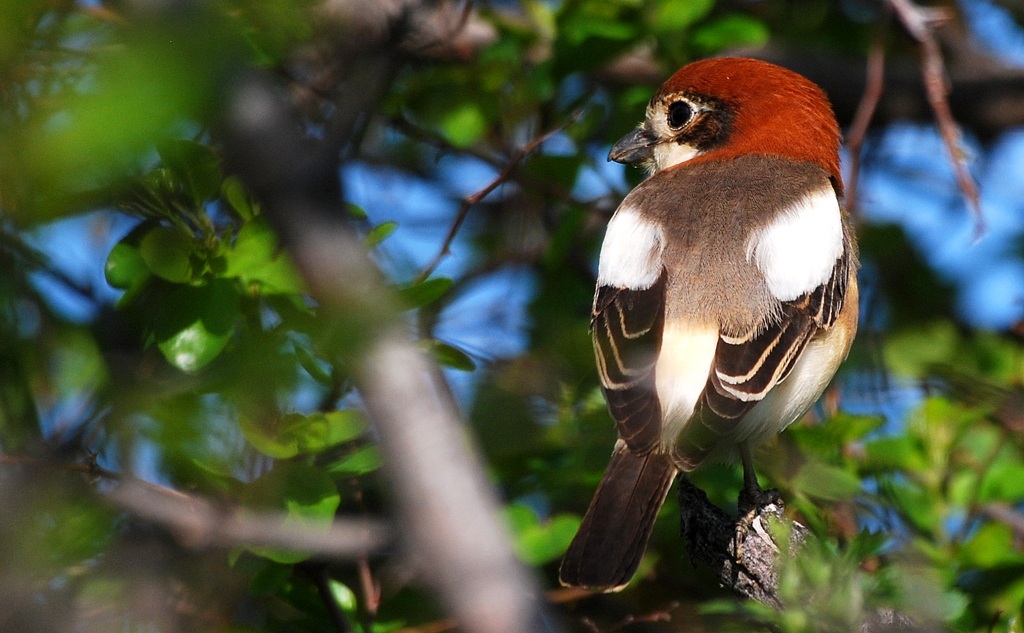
(726,291)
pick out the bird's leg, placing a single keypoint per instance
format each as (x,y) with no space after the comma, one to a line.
(751,500)
(753,496)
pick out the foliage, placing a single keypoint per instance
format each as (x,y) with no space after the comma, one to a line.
(198,361)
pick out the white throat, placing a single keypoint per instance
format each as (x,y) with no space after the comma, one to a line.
(671,154)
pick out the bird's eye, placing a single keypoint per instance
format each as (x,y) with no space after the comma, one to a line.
(678,114)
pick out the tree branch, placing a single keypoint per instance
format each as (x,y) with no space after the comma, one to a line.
(444,500)
(919,22)
(873,91)
(710,536)
(198,522)
(472,199)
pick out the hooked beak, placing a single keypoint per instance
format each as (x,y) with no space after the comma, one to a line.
(634,147)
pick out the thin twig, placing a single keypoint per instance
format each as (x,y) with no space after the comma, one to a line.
(473,198)
(873,88)
(317,573)
(919,22)
(371,592)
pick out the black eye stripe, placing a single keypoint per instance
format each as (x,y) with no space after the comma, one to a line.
(679,113)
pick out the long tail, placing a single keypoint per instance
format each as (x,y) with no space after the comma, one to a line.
(607,549)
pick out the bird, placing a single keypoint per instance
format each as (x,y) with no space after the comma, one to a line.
(726,292)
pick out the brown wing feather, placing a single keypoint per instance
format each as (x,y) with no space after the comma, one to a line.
(626,326)
(747,367)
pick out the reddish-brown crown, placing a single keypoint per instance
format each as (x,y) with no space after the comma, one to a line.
(775,111)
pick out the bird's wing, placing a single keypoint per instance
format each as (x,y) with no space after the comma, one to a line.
(747,367)
(626,326)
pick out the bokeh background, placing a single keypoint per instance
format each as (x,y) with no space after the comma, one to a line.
(155,326)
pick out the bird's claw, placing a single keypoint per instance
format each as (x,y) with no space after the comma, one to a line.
(752,501)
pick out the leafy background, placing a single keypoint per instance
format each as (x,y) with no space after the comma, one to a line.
(153,324)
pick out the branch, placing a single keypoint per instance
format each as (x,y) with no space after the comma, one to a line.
(317,573)
(919,22)
(444,500)
(873,90)
(198,522)
(710,536)
(469,201)
(419,28)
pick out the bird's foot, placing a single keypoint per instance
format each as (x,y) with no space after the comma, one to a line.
(752,502)
(753,498)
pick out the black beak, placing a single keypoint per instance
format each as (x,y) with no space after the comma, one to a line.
(634,147)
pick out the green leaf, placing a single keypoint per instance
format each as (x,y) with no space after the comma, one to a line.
(914,351)
(364,459)
(380,233)
(77,364)
(125,268)
(306,494)
(140,87)
(67,534)
(895,453)
(355,211)
(417,295)
(730,31)
(539,542)
(194,166)
(255,245)
(676,15)
(270,578)
(1003,482)
(914,503)
(464,124)
(167,252)
(194,324)
(990,545)
(826,482)
(295,434)
(257,260)
(450,356)
(848,427)
(583,27)
(234,192)
(314,366)
(343,596)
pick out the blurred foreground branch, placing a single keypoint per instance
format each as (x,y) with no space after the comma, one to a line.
(197,522)
(445,503)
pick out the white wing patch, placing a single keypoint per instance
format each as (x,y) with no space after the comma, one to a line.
(631,252)
(796,253)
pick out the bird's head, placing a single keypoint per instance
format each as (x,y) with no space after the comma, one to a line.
(728,107)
